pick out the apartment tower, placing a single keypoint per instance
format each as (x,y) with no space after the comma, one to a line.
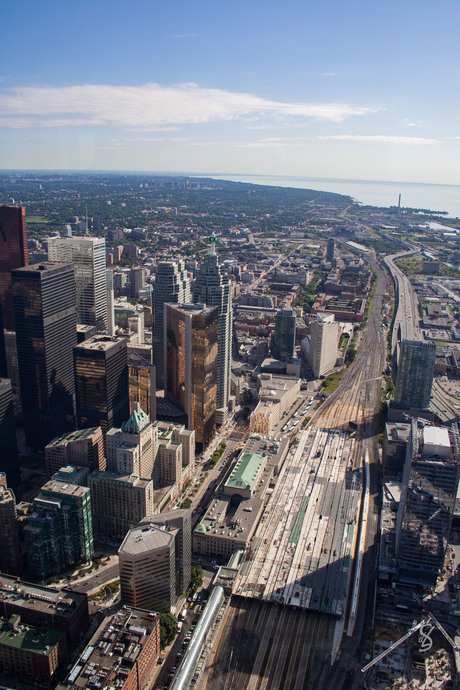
(323,345)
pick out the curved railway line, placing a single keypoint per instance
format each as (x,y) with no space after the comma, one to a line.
(268,646)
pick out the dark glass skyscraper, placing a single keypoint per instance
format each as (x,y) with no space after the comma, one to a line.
(415,374)
(8,446)
(284,338)
(13,254)
(101,381)
(45,316)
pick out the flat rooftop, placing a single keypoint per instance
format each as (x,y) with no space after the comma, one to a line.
(74,436)
(100,342)
(113,650)
(28,638)
(44,599)
(146,538)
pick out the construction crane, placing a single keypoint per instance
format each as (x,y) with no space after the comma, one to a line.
(435,621)
(425,639)
(394,645)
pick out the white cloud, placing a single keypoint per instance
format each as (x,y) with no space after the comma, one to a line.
(382,139)
(150,106)
(329,74)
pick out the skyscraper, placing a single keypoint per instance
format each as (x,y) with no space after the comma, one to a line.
(45,316)
(60,529)
(8,446)
(212,288)
(414,379)
(191,365)
(180,520)
(133,448)
(284,337)
(110,302)
(141,383)
(171,285)
(428,494)
(330,251)
(10,553)
(13,254)
(88,257)
(148,568)
(101,382)
(323,344)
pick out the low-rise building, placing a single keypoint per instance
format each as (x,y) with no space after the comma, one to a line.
(276,395)
(46,607)
(31,653)
(122,654)
(232,517)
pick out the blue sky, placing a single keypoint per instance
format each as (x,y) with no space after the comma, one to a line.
(333,88)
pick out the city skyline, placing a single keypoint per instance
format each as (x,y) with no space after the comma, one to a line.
(346,91)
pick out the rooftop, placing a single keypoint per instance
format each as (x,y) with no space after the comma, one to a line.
(113,650)
(74,436)
(246,470)
(45,599)
(13,633)
(146,538)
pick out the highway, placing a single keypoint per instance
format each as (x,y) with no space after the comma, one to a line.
(265,644)
(406,303)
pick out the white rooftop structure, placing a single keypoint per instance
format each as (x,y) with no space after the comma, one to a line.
(436,441)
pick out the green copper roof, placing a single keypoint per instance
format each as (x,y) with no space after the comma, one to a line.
(136,421)
(246,471)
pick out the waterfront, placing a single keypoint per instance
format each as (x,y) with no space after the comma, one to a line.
(435,197)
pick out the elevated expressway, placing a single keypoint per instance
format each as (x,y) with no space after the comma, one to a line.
(406,304)
(299,605)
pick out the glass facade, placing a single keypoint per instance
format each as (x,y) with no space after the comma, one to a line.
(45,316)
(415,374)
(101,382)
(171,286)
(284,338)
(88,257)
(192,347)
(211,287)
(141,384)
(13,254)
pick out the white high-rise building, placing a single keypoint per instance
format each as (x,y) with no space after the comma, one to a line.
(88,257)
(172,285)
(110,302)
(212,288)
(133,448)
(323,346)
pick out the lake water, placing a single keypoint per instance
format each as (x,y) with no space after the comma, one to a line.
(435,197)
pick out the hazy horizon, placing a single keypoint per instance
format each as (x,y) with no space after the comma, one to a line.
(334,90)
